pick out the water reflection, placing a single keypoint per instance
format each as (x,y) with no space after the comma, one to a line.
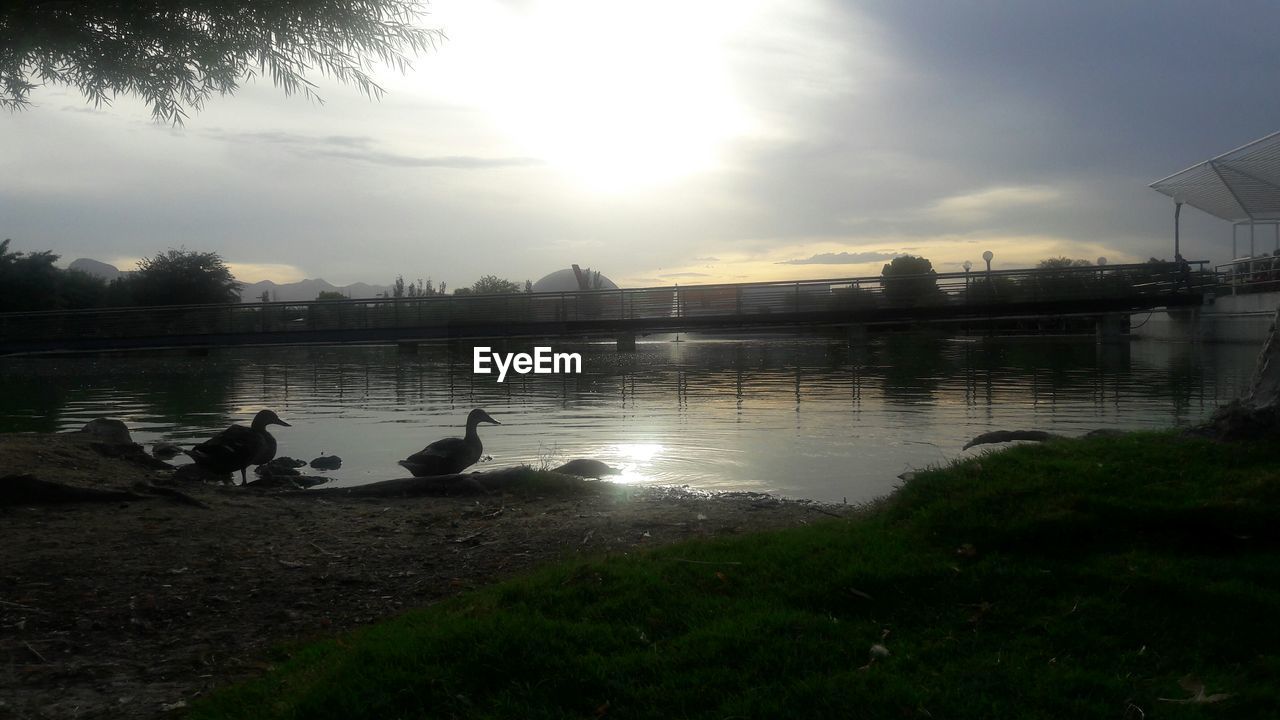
(811,418)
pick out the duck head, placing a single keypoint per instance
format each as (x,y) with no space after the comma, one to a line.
(267,417)
(478,416)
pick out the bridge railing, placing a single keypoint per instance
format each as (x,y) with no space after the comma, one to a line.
(500,314)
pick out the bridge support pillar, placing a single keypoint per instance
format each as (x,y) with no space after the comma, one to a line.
(1113,328)
(627,342)
(407,348)
(856,334)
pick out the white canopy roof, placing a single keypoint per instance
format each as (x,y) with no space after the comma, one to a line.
(1241,186)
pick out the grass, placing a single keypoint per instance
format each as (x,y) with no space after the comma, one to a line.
(1078,579)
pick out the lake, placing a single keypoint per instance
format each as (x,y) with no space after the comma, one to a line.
(800,417)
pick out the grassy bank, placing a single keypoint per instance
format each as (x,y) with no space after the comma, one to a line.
(1077,579)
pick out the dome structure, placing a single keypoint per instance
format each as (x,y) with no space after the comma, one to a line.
(566,281)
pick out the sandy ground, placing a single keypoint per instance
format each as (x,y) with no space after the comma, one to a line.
(133,609)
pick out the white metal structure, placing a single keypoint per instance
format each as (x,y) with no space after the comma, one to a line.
(1241,186)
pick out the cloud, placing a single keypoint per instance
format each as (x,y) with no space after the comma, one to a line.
(257,272)
(684,274)
(840,258)
(456,162)
(362,148)
(987,203)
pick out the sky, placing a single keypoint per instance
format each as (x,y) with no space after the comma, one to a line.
(666,142)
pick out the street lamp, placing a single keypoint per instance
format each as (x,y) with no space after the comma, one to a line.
(987,255)
(967,267)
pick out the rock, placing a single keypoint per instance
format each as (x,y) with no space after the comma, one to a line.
(586,468)
(111,438)
(283,466)
(165,450)
(107,431)
(327,462)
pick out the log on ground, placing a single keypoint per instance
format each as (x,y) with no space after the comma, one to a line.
(1000,436)
(516,480)
(28,490)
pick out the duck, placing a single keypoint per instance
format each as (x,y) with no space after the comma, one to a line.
(587,468)
(238,447)
(450,455)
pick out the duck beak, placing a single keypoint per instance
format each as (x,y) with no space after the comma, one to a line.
(495,422)
(281,422)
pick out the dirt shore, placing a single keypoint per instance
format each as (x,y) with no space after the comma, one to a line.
(132,609)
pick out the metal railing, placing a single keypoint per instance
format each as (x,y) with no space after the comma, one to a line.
(859,299)
(1250,275)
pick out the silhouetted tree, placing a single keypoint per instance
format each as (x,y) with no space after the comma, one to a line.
(397,288)
(330,295)
(31,281)
(909,279)
(1061,262)
(1058,280)
(265,296)
(175,54)
(183,277)
(77,290)
(528,286)
(494,285)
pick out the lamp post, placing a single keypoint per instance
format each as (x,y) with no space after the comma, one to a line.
(1177,239)
(987,255)
(967,267)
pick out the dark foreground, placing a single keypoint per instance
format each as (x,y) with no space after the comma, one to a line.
(135,610)
(1133,577)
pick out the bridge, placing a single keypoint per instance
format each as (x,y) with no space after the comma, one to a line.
(1107,293)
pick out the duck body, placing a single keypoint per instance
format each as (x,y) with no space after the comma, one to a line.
(238,447)
(450,455)
(586,468)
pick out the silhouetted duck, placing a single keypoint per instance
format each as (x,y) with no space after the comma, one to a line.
(587,468)
(238,447)
(451,455)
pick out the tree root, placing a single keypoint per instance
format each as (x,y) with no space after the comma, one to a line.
(1240,420)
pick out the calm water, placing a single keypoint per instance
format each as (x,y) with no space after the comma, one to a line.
(811,418)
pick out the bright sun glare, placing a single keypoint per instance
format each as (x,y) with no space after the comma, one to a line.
(618,95)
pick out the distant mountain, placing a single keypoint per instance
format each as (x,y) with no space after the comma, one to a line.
(309,289)
(95,268)
(251,292)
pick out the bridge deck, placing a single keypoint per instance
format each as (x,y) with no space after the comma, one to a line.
(843,301)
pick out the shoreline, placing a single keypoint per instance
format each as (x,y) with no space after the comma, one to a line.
(134,609)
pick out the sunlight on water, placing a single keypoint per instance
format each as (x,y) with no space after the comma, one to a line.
(812,418)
